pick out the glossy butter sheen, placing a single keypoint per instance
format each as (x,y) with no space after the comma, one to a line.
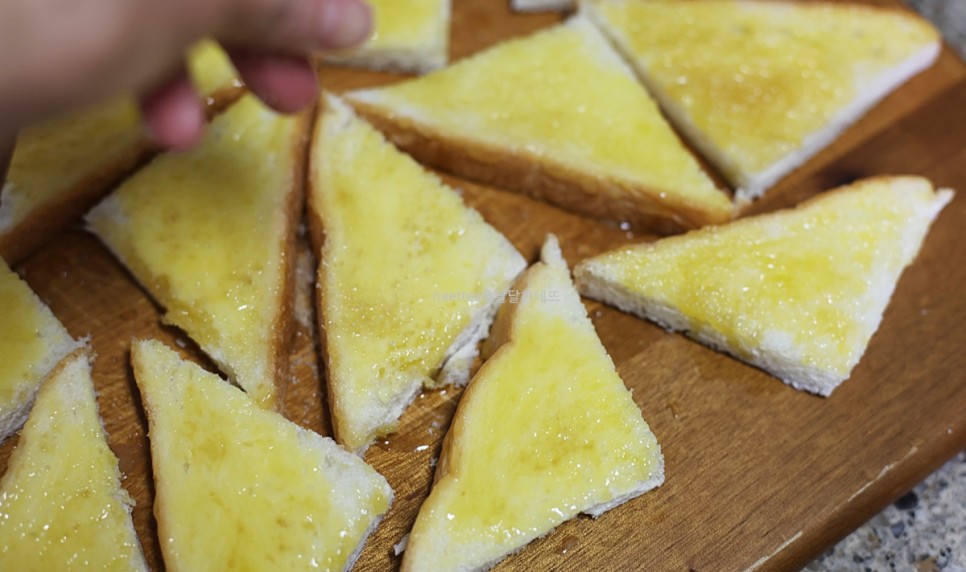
(801,281)
(757,79)
(24,322)
(203,230)
(242,488)
(546,430)
(61,503)
(563,95)
(405,267)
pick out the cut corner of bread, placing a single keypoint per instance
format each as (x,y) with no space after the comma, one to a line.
(409,37)
(60,167)
(409,276)
(210,234)
(557,115)
(213,74)
(542,5)
(798,293)
(546,430)
(241,485)
(759,88)
(32,343)
(62,488)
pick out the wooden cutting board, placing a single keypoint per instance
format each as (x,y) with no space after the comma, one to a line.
(759,476)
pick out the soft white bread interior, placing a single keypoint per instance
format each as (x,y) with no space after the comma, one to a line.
(61,498)
(32,342)
(798,293)
(241,487)
(761,87)
(409,37)
(545,430)
(409,276)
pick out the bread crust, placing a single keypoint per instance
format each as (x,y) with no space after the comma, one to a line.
(284,324)
(542,178)
(317,238)
(49,218)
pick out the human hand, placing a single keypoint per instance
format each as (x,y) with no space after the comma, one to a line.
(56,55)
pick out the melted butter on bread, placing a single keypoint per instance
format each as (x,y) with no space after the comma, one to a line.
(206,232)
(797,292)
(545,430)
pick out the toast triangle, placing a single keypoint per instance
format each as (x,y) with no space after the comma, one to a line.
(409,277)
(557,115)
(798,293)
(545,430)
(210,234)
(32,342)
(243,488)
(409,37)
(760,87)
(61,498)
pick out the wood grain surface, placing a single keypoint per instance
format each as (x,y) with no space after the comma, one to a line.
(759,476)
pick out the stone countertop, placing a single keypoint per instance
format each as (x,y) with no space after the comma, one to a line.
(925,530)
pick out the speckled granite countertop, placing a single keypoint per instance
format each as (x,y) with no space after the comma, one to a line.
(925,530)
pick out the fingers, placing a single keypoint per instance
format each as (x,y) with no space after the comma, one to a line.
(174,114)
(286,84)
(298,26)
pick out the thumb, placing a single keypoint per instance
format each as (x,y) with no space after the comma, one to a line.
(297,26)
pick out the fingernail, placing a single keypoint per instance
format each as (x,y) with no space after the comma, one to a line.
(345,23)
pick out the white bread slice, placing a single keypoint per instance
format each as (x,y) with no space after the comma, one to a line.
(409,37)
(61,498)
(242,488)
(409,277)
(32,342)
(544,431)
(541,5)
(798,293)
(210,234)
(62,167)
(760,87)
(557,115)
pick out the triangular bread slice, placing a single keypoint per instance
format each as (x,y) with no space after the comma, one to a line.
(410,277)
(409,37)
(760,87)
(242,488)
(544,431)
(210,234)
(557,115)
(32,342)
(62,167)
(61,498)
(798,293)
